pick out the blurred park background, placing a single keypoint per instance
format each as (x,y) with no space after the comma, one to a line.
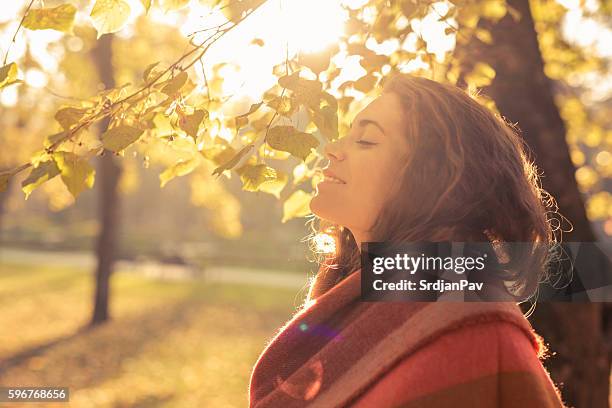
(159,285)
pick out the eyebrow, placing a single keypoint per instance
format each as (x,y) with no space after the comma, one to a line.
(365,122)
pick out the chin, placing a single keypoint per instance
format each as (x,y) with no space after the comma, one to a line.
(320,208)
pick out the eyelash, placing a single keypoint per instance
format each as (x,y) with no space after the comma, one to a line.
(365,143)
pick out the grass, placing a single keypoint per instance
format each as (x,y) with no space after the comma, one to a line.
(168,344)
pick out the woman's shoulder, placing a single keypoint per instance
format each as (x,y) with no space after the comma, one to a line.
(472,365)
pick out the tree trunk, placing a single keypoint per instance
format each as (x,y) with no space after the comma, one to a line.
(523,95)
(3,199)
(107,182)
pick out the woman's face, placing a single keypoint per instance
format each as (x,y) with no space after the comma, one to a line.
(368,161)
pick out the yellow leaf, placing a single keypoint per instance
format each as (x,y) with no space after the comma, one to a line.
(60,18)
(120,137)
(180,168)
(8,75)
(69,116)
(494,9)
(43,172)
(170,5)
(174,84)
(484,35)
(191,123)
(276,185)
(366,83)
(109,16)
(77,174)
(289,139)
(253,176)
(297,205)
(481,75)
(146,4)
(233,161)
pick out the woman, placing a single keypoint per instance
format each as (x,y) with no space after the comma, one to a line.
(423,162)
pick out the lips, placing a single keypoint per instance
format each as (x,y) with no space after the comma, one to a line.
(331,175)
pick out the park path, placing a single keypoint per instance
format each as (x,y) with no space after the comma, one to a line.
(87,261)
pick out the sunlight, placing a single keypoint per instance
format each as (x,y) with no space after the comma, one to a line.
(309,25)
(325,243)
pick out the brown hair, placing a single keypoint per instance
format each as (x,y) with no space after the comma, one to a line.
(474,182)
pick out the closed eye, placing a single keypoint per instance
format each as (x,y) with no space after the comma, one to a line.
(365,143)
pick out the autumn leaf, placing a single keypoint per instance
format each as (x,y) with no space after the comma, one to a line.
(318,61)
(118,138)
(232,162)
(253,176)
(171,5)
(235,10)
(297,205)
(69,116)
(60,18)
(146,4)
(481,75)
(276,185)
(242,120)
(174,84)
(77,174)
(8,75)
(366,83)
(149,70)
(180,168)
(191,123)
(109,16)
(45,171)
(289,139)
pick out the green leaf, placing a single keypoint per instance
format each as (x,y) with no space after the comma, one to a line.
(191,123)
(289,139)
(120,137)
(253,175)
(232,162)
(109,16)
(180,168)
(77,174)
(276,185)
(297,205)
(4,180)
(171,5)
(69,116)
(43,172)
(8,75)
(174,84)
(60,18)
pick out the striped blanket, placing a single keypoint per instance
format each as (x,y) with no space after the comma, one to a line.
(340,352)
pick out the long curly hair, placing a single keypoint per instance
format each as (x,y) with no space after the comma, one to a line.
(468,178)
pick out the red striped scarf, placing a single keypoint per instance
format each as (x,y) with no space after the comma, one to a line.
(335,348)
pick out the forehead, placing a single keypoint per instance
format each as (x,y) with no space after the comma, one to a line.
(386,110)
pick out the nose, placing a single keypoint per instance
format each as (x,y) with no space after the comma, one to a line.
(334,149)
